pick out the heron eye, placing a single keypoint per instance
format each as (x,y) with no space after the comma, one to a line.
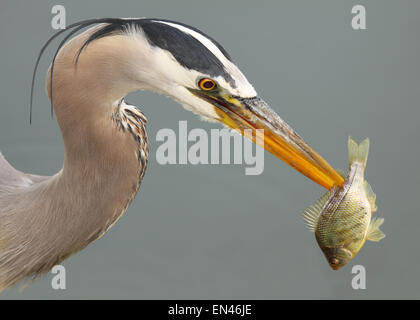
(207,84)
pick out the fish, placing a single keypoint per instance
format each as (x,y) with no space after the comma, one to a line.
(342,218)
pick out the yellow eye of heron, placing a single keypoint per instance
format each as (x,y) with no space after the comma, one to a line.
(207,84)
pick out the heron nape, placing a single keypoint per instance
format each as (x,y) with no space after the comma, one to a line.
(44,219)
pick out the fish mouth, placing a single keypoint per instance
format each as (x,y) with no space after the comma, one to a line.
(335,265)
(337,257)
(275,135)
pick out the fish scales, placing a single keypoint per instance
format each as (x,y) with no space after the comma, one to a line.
(341,219)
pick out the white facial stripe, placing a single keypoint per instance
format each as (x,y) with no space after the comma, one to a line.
(204,41)
(243,87)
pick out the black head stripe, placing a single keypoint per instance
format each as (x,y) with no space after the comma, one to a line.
(222,50)
(186,49)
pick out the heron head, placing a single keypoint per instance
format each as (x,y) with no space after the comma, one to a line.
(185,64)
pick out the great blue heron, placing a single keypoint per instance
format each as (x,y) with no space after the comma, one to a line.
(43,219)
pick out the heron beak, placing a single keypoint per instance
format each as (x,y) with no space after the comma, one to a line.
(276,135)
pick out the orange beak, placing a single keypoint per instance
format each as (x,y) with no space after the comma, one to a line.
(275,135)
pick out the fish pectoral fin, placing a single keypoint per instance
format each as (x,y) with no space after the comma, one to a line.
(371,196)
(374,233)
(311,214)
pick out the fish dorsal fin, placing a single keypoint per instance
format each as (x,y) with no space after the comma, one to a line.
(374,233)
(371,196)
(358,153)
(311,214)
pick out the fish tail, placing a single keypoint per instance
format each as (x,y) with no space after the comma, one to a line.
(358,152)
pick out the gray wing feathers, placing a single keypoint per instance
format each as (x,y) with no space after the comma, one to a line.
(10,178)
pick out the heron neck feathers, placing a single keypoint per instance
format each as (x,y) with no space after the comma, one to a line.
(106,151)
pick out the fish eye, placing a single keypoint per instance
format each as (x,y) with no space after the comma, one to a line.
(207,84)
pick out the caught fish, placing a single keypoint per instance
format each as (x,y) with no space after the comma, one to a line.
(342,218)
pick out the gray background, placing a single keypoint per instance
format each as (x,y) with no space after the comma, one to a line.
(209,231)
